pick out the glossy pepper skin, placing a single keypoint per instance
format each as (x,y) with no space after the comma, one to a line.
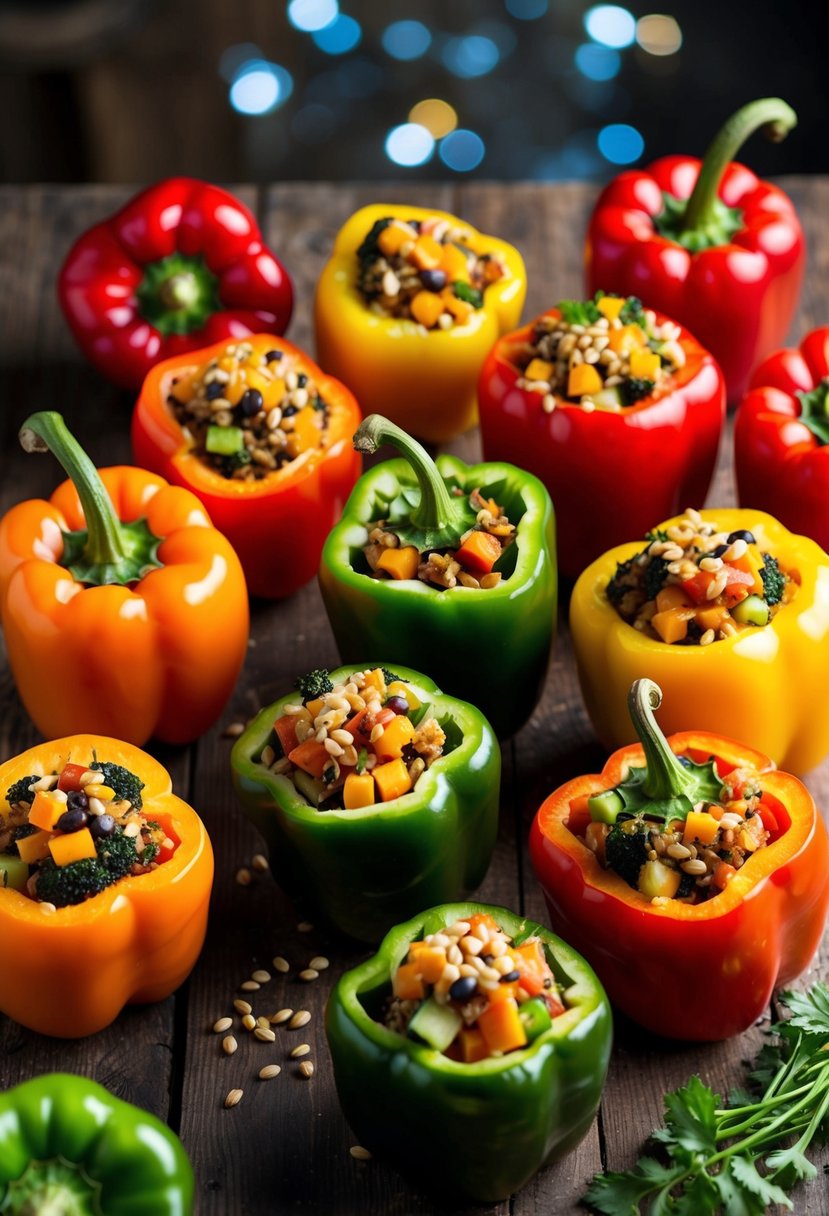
(733,277)
(181,265)
(364,870)
(492,646)
(63,1137)
(765,684)
(700,972)
(155,648)
(423,381)
(781,433)
(277,525)
(647,460)
(69,974)
(497,1121)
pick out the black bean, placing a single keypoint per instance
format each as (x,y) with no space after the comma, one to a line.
(742,534)
(718,552)
(464,988)
(398,705)
(102,825)
(72,821)
(301,380)
(510,977)
(273,356)
(77,800)
(488,959)
(433,280)
(250,403)
(214,390)
(289,411)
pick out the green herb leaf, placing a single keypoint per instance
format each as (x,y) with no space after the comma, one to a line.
(633,312)
(621,1194)
(745,1172)
(362,758)
(809,1010)
(690,1117)
(578,312)
(469,294)
(790,1165)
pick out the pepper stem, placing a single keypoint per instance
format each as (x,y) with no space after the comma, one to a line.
(775,115)
(436,510)
(179,291)
(666,776)
(47,432)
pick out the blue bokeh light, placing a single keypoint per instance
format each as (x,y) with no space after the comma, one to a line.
(462,150)
(597,62)
(406,39)
(526,10)
(409,144)
(611,25)
(341,36)
(260,87)
(235,58)
(620,143)
(312,15)
(474,55)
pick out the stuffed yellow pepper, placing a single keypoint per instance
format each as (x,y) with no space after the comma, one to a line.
(407,309)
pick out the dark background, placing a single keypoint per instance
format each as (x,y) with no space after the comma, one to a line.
(132,90)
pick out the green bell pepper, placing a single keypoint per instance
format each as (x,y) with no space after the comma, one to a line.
(471,1131)
(364,870)
(491,646)
(69,1148)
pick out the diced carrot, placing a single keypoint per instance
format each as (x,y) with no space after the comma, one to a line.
(610,306)
(531,964)
(583,378)
(671,596)
(46,810)
(235,389)
(715,811)
(285,728)
(394,738)
(358,791)
(579,816)
(538,369)
(311,757)
(504,992)
(701,827)
(399,563)
(393,780)
(305,434)
(473,1045)
(34,848)
(723,873)
(184,389)
(426,308)
(626,339)
(70,778)
(460,309)
(454,264)
(392,239)
(256,380)
(644,364)
(272,393)
(427,253)
(407,984)
(479,552)
(670,625)
(72,846)
(501,1026)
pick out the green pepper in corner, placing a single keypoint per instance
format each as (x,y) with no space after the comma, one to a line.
(491,644)
(69,1148)
(468,1131)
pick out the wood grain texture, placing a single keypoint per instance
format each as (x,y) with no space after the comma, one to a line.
(284,1148)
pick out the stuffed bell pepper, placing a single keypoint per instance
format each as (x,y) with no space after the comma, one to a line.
(781,435)
(729,613)
(691,874)
(707,242)
(256,431)
(473,1029)
(105,878)
(68,1147)
(449,565)
(376,793)
(406,310)
(616,409)
(125,612)
(181,265)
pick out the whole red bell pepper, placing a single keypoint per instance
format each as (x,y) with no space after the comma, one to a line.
(647,460)
(180,266)
(706,242)
(781,438)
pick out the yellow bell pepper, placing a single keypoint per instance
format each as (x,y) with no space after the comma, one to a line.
(765,686)
(424,380)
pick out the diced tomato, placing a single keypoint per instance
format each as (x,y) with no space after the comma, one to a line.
(166,851)
(364,722)
(285,728)
(532,967)
(70,778)
(737,586)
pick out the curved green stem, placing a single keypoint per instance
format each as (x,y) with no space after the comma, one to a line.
(770,112)
(47,432)
(666,776)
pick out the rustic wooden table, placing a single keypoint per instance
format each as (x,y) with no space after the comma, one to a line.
(285,1147)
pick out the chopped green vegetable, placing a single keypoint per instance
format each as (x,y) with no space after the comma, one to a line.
(471,295)
(633,312)
(634,390)
(316,684)
(579,312)
(774,580)
(224,440)
(125,784)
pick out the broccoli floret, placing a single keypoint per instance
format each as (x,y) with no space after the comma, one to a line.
(118,854)
(774,580)
(237,460)
(20,792)
(627,851)
(633,312)
(369,250)
(621,582)
(389,676)
(316,684)
(72,884)
(656,571)
(125,784)
(634,389)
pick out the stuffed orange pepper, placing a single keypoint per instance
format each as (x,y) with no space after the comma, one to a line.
(263,438)
(407,309)
(105,878)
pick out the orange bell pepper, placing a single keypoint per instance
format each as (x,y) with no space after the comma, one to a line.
(277,525)
(69,971)
(135,626)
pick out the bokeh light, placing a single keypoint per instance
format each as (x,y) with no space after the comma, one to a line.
(462,151)
(409,144)
(474,55)
(237,57)
(620,143)
(260,87)
(526,10)
(611,25)
(341,36)
(438,117)
(597,62)
(659,34)
(312,15)
(406,39)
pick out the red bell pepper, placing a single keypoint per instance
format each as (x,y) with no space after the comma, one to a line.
(610,474)
(180,266)
(706,242)
(781,438)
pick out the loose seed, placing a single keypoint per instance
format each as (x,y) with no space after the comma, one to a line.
(265,1036)
(359,1153)
(319,962)
(259,862)
(310,973)
(306,1069)
(301,1018)
(248,1021)
(222,1025)
(270,1070)
(250,986)
(234,1098)
(242,1007)
(281,964)
(302,1050)
(243,877)
(305,926)
(276,1019)
(261,977)
(229,1044)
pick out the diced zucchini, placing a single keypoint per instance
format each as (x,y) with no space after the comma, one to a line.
(753,610)
(607,399)
(224,440)
(14,872)
(605,807)
(436,1024)
(310,787)
(657,879)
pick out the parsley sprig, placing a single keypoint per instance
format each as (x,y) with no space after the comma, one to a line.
(741,1156)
